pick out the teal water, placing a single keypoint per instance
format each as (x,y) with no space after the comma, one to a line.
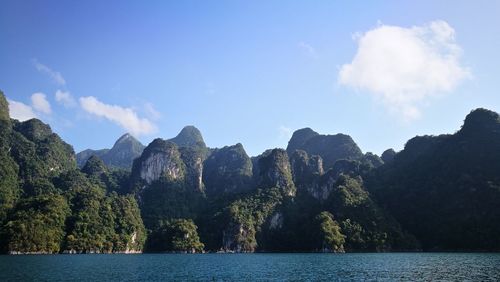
(264,267)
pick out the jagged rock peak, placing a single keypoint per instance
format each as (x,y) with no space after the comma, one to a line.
(300,137)
(127,137)
(481,119)
(125,150)
(189,136)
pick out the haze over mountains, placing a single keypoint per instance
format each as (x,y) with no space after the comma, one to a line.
(320,194)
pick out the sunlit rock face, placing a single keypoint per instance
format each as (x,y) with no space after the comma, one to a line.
(275,171)
(160,159)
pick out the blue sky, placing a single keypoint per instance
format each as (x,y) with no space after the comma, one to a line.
(249,71)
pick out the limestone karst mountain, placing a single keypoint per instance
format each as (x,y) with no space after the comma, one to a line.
(321,194)
(121,155)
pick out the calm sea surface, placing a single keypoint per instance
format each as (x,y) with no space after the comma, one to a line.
(231,267)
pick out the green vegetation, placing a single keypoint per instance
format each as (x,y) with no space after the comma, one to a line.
(322,194)
(165,200)
(228,170)
(189,136)
(36,225)
(245,218)
(48,206)
(9,187)
(99,222)
(175,235)
(329,233)
(446,189)
(4,109)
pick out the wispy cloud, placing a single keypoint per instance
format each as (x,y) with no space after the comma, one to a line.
(20,111)
(54,75)
(39,103)
(151,112)
(65,98)
(285,132)
(126,118)
(308,49)
(404,67)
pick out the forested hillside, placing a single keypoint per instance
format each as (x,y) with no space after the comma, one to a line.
(321,194)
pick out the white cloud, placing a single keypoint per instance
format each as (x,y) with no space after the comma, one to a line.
(403,67)
(65,98)
(56,76)
(20,111)
(151,112)
(39,103)
(124,117)
(308,49)
(285,132)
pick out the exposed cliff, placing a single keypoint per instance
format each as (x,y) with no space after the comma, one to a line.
(275,171)
(160,159)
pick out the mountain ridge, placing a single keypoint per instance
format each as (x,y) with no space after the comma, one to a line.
(321,194)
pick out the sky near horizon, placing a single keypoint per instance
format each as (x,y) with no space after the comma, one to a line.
(249,71)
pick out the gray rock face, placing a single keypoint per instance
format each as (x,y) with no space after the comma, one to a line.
(157,165)
(160,159)
(325,186)
(275,171)
(305,168)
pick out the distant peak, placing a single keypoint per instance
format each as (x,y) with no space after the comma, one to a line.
(299,137)
(189,136)
(190,131)
(125,136)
